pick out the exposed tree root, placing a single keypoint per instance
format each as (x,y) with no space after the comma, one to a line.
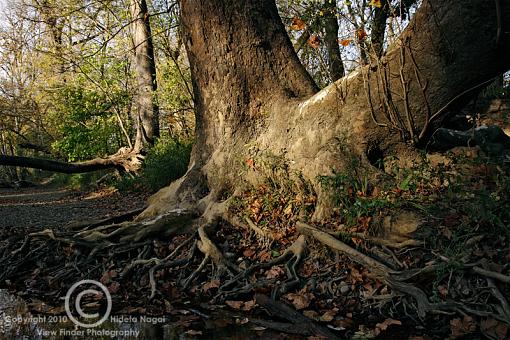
(131,247)
(395,279)
(293,254)
(378,240)
(212,253)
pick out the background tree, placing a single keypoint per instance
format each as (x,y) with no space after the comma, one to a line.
(146,112)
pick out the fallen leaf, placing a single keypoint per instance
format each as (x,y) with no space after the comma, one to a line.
(108,276)
(248,305)
(114,287)
(311,314)
(300,300)
(443,290)
(329,315)
(462,327)
(381,327)
(248,253)
(274,272)
(355,276)
(234,304)
(210,285)
(494,329)
(264,256)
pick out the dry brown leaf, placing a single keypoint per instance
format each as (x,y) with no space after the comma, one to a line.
(114,287)
(355,275)
(108,276)
(329,315)
(210,285)
(494,329)
(234,304)
(274,272)
(248,305)
(250,163)
(462,327)
(248,253)
(381,327)
(311,314)
(300,300)
(264,256)
(443,290)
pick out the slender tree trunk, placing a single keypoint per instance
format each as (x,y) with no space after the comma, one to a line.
(256,105)
(146,112)
(336,65)
(379,29)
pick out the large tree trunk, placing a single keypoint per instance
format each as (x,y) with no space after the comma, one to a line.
(146,111)
(254,100)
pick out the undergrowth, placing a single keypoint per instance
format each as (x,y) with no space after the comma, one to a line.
(164,163)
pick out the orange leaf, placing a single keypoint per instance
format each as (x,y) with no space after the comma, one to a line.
(345,42)
(264,256)
(250,163)
(297,24)
(361,33)
(376,3)
(314,41)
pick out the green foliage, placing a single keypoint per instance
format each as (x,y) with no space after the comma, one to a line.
(77,181)
(166,161)
(86,122)
(351,194)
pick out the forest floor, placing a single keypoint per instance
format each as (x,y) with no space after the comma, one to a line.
(48,206)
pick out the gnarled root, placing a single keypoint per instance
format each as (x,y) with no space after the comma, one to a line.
(395,279)
(293,255)
(212,253)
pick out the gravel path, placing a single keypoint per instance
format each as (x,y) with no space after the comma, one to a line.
(44,207)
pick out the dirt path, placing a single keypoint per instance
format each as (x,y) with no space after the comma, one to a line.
(44,207)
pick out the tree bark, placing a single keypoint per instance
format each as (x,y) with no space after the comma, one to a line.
(255,102)
(123,161)
(336,65)
(378,29)
(146,111)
